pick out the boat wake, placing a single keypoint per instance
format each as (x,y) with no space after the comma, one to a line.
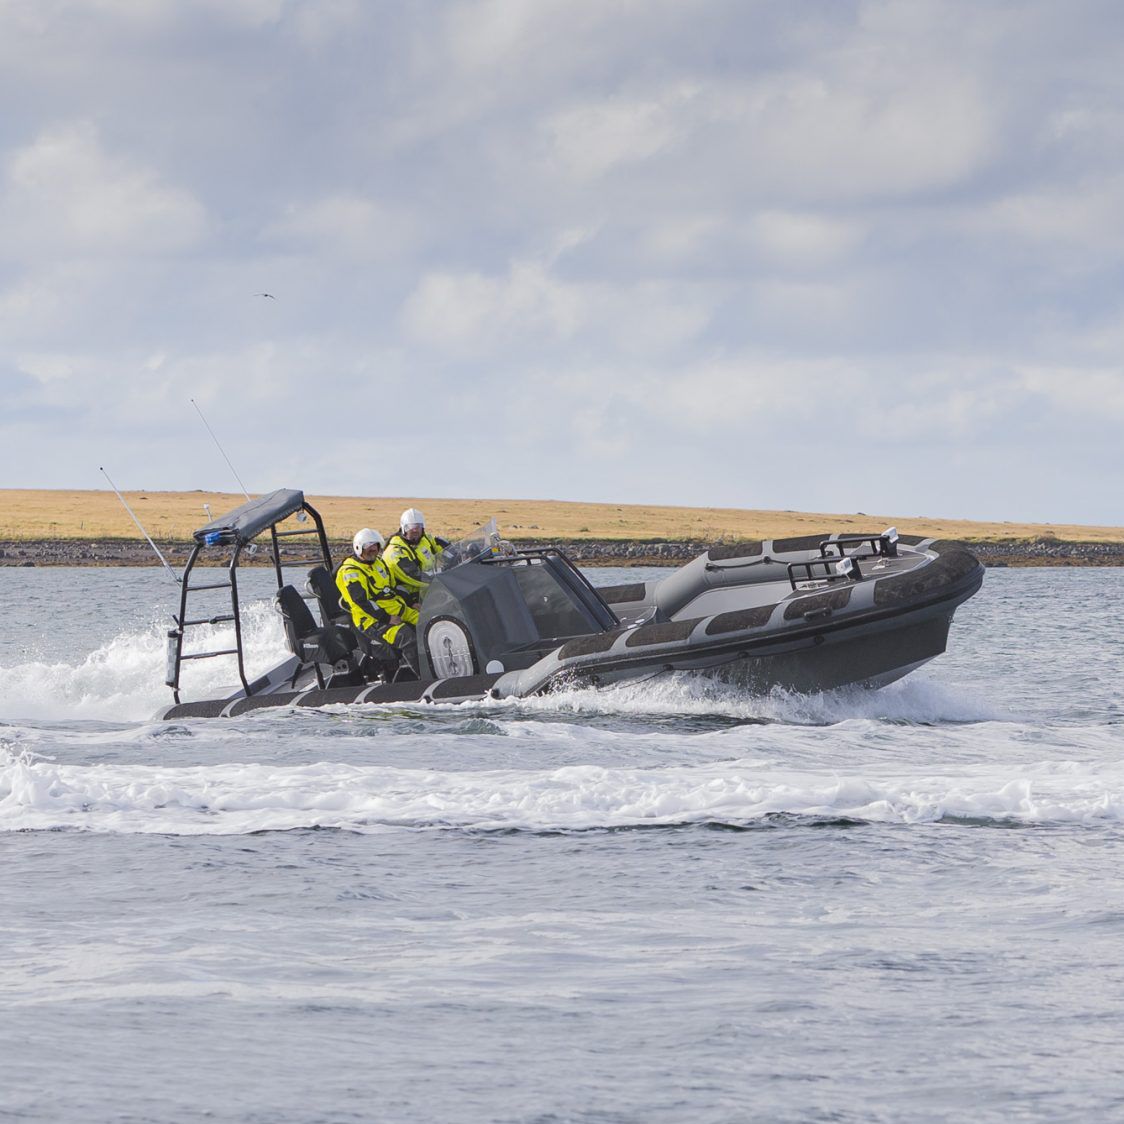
(919,699)
(236,799)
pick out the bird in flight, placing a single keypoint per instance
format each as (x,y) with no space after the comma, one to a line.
(270,295)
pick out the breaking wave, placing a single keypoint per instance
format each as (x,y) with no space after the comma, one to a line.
(38,794)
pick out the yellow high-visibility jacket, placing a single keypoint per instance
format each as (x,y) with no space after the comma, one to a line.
(368,591)
(411,566)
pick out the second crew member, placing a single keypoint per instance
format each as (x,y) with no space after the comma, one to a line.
(410,555)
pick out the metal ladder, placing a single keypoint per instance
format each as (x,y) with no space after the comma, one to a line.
(176,656)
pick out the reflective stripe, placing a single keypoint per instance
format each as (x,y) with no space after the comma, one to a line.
(408,564)
(374,579)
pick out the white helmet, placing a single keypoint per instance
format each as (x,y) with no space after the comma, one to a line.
(411,517)
(366,538)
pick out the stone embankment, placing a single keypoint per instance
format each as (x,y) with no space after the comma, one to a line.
(1036,552)
(124,552)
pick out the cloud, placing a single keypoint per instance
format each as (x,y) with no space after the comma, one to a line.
(1064,217)
(607,240)
(531,310)
(493,37)
(587,141)
(1093,394)
(852,133)
(46,16)
(476,314)
(798,240)
(864,124)
(65,195)
(348,226)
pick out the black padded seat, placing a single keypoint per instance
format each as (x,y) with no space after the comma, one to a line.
(322,586)
(307,641)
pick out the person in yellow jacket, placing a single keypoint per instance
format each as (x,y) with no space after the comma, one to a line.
(378,612)
(411,556)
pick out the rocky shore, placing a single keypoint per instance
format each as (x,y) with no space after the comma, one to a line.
(1044,551)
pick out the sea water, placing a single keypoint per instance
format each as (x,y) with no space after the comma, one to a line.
(666,902)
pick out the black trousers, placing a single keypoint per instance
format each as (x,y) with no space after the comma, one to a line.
(388,655)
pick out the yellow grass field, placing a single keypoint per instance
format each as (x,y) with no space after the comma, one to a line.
(30,514)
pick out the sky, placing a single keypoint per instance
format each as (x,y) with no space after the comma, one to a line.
(813,255)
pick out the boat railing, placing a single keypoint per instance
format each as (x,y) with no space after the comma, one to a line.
(237,531)
(835,568)
(882,545)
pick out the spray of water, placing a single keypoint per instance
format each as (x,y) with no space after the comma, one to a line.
(918,699)
(123,680)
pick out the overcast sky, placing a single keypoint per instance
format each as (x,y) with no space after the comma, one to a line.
(832,256)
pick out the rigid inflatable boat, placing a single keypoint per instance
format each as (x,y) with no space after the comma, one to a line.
(807,614)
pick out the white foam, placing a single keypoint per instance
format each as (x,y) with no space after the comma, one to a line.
(920,699)
(237,798)
(124,678)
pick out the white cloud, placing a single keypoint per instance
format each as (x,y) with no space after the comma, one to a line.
(948,408)
(853,133)
(529,309)
(741,394)
(64,301)
(1066,216)
(813,308)
(841,130)
(645,233)
(491,36)
(155,13)
(48,369)
(1093,393)
(800,240)
(807,404)
(262,379)
(586,141)
(682,238)
(64,194)
(475,314)
(514,62)
(31,306)
(320,23)
(343,225)
(483,34)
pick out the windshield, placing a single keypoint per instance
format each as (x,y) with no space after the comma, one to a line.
(483,540)
(552,607)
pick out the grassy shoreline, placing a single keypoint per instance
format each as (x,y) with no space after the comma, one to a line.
(48,515)
(42,527)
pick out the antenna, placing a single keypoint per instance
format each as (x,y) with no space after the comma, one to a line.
(163,560)
(219,447)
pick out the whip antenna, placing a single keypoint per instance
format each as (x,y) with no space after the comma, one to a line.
(163,560)
(219,447)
